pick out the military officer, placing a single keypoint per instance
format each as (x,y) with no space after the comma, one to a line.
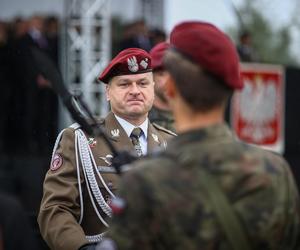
(207,190)
(81,180)
(160,112)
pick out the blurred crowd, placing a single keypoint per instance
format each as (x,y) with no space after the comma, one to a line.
(28,128)
(29,106)
(138,35)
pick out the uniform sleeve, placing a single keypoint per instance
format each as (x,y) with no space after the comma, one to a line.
(293,211)
(133,227)
(60,208)
(288,205)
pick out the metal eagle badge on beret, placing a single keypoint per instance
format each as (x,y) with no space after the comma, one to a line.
(144,63)
(132,64)
(128,61)
(56,162)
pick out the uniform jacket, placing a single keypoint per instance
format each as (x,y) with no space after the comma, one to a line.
(166,198)
(68,219)
(162,118)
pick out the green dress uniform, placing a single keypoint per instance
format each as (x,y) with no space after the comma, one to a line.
(81,182)
(167,205)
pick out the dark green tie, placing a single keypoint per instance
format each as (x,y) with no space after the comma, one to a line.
(135,135)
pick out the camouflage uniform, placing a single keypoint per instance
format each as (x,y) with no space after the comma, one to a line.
(167,206)
(162,117)
(81,181)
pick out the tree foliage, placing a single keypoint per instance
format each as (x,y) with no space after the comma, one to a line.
(272,45)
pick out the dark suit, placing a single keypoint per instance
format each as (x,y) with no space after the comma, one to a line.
(36,106)
(15,230)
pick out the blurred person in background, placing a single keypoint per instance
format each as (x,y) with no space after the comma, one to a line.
(5,93)
(81,180)
(157,36)
(207,190)
(19,28)
(245,48)
(160,112)
(136,36)
(37,103)
(52,36)
(15,231)
(31,111)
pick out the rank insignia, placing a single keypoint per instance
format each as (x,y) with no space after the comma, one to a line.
(155,137)
(92,142)
(107,159)
(56,162)
(115,132)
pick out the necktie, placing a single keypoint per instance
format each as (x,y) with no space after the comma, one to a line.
(135,135)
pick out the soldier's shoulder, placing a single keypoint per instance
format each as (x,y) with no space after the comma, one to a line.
(76,126)
(164,130)
(272,161)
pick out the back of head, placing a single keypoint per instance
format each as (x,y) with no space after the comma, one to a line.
(204,59)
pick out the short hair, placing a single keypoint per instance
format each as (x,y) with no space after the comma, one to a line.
(201,90)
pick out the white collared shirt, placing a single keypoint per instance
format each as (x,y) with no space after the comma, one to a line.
(128,127)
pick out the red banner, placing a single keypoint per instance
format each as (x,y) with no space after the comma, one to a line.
(257,112)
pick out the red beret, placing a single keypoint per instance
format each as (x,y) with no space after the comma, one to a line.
(209,47)
(127,62)
(157,53)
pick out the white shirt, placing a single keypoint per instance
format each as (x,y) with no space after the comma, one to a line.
(128,127)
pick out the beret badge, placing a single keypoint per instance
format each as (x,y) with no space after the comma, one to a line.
(132,64)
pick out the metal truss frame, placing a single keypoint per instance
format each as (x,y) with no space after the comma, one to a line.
(86,49)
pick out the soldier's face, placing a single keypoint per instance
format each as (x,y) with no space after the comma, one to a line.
(160,78)
(131,96)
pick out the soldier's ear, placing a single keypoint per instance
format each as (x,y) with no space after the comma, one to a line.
(107,87)
(170,87)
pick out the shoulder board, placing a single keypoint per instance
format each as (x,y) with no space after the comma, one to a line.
(164,129)
(75,126)
(101,120)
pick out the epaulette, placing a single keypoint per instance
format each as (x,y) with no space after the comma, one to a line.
(101,120)
(75,126)
(163,129)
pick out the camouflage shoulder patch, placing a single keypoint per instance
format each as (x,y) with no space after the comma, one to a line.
(163,129)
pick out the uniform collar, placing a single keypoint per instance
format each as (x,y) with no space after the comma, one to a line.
(128,127)
(213,133)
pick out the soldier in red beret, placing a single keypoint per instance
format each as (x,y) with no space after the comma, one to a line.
(81,181)
(160,112)
(207,190)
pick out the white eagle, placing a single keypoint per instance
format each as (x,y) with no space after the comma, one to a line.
(259,104)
